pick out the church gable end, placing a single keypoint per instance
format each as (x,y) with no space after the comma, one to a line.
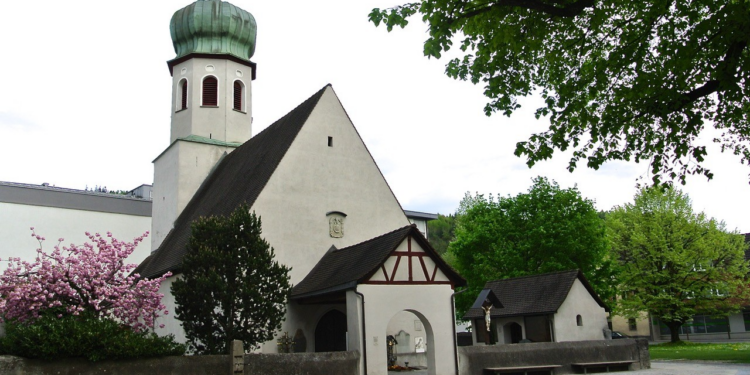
(327,190)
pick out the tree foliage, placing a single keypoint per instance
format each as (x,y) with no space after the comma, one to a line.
(441,232)
(621,80)
(675,263)
(231,288)
(92,278)
(544,230)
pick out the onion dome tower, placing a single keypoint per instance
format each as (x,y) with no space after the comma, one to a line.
(211,102)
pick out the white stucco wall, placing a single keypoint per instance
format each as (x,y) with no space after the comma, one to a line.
(314,179)
(431,303)
(221,123)
(171,325)
(54,222)
(579,302)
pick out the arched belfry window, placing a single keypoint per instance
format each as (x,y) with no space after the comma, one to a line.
(210,91)
(183,94)
(238,91)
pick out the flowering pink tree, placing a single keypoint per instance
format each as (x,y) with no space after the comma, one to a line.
(91,278)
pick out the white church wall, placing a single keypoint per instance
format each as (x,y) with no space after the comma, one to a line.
(579,302)
(175,186)
(171,324)
(313,179)
(432,302)
(70,224)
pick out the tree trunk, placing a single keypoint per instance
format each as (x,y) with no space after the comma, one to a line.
(674,330)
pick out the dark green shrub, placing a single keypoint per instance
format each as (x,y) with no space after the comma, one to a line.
(86,336)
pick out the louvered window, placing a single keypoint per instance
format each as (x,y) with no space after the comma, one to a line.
(210,91)
(184,94)
(237,95)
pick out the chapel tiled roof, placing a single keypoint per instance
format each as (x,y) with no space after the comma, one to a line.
(342,269)
(239,177)
(533,295)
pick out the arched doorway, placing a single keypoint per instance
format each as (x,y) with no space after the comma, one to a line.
(513,333)
(330,333)
(415,340)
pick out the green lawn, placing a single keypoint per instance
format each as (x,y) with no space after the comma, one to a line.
(730,352)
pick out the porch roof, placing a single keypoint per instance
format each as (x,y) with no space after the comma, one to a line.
(342,269)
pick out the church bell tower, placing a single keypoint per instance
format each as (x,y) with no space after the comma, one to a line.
(211,103)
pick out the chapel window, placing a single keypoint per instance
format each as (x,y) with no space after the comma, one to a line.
(238,91)
(210,91)
(579,321)
(183,94)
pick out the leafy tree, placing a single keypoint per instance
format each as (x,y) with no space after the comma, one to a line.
(621,80)
(544,230)
(675,263)
(231,288)
(91,279)
(441,232)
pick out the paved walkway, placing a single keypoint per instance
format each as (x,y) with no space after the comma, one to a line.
(665,368)
(694,368)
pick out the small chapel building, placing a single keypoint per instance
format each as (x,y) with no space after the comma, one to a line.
(551,307)
(357,262)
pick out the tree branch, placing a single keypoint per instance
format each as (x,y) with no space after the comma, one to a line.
(569,11)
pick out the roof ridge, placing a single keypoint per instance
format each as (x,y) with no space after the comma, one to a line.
(535,275)
(317,93)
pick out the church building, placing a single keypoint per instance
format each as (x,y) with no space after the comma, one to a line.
(359,267)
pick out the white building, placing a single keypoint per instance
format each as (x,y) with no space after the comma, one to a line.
(551,307)
(68,213)
(357,262)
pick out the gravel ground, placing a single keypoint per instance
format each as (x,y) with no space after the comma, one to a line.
(695,368)
(666,368)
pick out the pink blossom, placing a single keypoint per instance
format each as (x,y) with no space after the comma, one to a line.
(91,277)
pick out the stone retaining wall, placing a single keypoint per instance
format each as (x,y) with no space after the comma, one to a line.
(473,359)
(339,363)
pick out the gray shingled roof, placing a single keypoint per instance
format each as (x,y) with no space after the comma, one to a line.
(344,268)
(239,177)
(533,295)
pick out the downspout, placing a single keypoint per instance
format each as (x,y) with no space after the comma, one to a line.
(453,315)
(364,336)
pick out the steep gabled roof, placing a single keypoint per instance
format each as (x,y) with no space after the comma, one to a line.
(342,269)
(239,177)
(533,295)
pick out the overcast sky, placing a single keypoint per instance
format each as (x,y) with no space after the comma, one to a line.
(85,101)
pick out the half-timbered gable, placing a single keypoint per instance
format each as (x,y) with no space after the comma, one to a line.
(400,257)
(409,263)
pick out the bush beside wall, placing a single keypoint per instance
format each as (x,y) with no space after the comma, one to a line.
(84,336)
(340,363)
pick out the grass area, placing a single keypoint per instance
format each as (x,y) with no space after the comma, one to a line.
(730,352)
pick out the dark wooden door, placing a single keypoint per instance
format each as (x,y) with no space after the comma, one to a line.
(330,333)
